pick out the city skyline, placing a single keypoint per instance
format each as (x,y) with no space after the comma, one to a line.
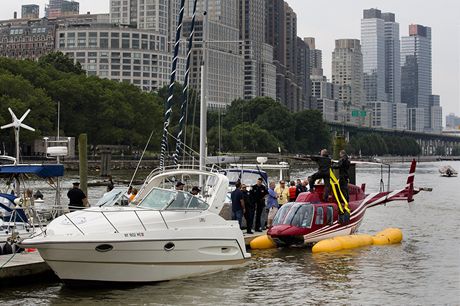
(313,20)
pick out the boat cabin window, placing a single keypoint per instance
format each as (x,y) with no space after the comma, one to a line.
(296,214)
(330,215)
(319,215)
(161,199)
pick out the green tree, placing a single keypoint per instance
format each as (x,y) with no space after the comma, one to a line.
(249,137)
(311,132)
(61,62)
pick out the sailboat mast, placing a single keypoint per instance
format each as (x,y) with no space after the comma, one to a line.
(169,102)
(204,87)
(183,109)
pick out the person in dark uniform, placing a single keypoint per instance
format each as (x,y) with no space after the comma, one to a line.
(258,194)
(77,198)
(238,208)
(249,209)
(343,165)
(324,165)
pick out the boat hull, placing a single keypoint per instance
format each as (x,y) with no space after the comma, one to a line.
(141,261)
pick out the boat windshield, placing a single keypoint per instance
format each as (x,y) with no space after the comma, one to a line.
(247,178)
(296,214)
(163,199)
(116,196)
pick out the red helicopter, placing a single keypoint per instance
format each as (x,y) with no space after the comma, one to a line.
(309,219)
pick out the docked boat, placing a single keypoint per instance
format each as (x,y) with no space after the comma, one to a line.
(448,171)
(169,234)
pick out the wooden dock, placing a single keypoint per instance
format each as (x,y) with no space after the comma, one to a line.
(22,266)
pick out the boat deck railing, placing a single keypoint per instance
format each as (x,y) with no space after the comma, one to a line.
(157,171)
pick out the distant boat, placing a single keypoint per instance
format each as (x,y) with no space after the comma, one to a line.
(448,171)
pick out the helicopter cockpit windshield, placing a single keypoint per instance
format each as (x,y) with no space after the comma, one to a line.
(295,214)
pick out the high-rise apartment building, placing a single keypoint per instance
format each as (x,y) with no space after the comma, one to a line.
(416,84)
(225,77)
(30,11)
(373,49)
(347,71)
(61,8)
(259,70)
(316,57)
(392,59)
(281,33)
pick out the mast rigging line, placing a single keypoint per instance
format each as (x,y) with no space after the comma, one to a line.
(185,88)
(169,102)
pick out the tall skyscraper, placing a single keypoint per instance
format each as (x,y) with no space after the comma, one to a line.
(347,70)
(373,49)
(416,85)
(281,33)
(259,70)
(316,57)
(392,59)
(225,64)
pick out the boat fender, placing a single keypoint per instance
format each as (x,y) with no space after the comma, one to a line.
(262,242)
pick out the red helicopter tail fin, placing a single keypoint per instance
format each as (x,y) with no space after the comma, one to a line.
(410,182)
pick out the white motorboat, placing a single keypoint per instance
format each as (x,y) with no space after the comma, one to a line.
(169,234)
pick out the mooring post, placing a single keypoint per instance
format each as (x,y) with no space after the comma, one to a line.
(83,157)
(106,159)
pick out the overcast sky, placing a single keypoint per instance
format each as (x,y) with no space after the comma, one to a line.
(328,20)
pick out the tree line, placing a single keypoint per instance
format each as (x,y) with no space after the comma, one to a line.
(118,113)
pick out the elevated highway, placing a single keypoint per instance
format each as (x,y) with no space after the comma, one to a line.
(429,142)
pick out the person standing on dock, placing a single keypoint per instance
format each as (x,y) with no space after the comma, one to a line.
(238,208)
(283,193)
(272,204)
(292,192)
(77,198)
(258,194)
(249,207)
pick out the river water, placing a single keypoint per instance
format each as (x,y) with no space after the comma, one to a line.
(423,270)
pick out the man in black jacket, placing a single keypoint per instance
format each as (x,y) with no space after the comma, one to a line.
(258,194)
(343,165)
(324,165)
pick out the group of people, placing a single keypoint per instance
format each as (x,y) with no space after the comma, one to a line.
(251,203)
(324,166)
